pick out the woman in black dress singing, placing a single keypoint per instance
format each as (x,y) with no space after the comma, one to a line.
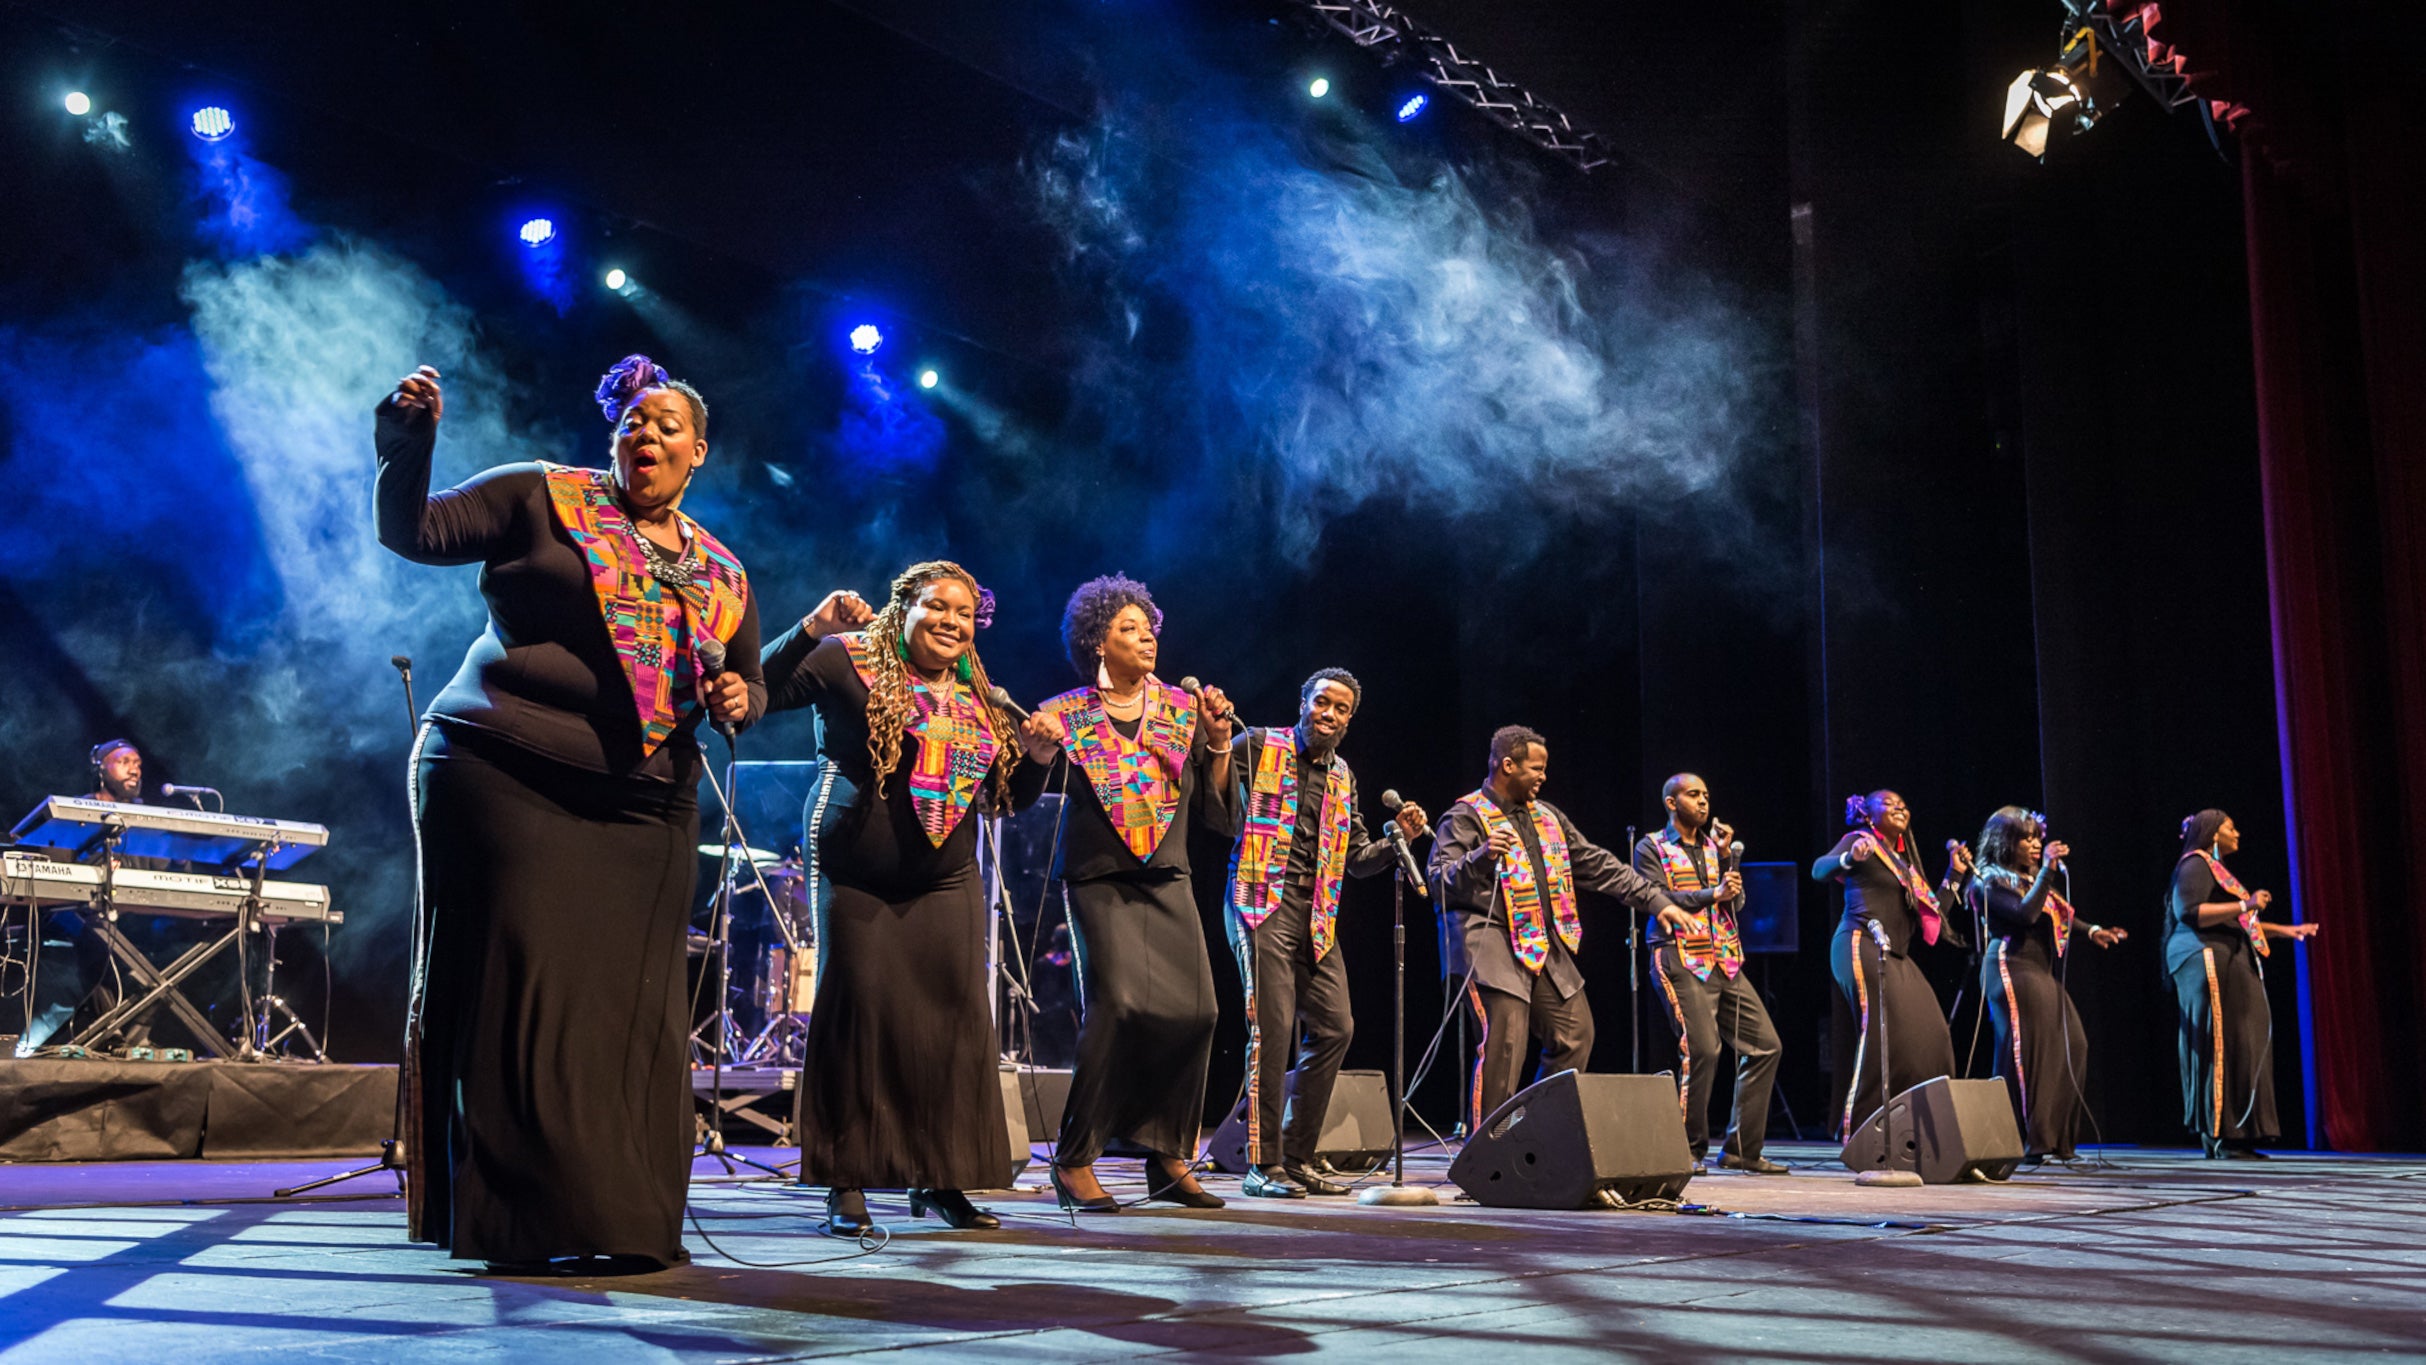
(546,1090)
(2041,1050)
(2216,944)
(1148,755)
(1887,896)
(899,1086)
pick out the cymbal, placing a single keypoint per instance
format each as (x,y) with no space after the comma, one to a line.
(741,851)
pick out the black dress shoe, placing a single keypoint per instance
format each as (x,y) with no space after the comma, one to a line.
(847,1213)
(2235,1152)
(1270,1182)
(1751,1165)
(1102,1203)
(1175,1186)
(1311,1183)
(952,1207)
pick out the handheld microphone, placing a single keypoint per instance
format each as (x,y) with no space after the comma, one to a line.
(1002,699)
(1390,801)
(173,789)
(1194,688)
(711,663)
(1398,839)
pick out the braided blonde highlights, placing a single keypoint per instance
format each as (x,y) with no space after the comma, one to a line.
(890,708)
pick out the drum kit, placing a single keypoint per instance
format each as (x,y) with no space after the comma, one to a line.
(770,894)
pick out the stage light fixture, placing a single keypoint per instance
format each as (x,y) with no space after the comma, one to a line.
(212,123)
(928,379)
(2071,95)
(865,338)
(1320,87)
(617,280)
(79,103)
(1412,105)
(538,232)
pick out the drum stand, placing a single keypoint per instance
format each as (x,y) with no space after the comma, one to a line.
(271,1005)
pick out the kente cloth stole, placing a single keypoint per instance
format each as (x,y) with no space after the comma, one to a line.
(956,744)
(1714,941)
(2233,888)
(1137,780)
(1916,886)
(2064,913)
(652,625)
(1260,863)
(1526,934)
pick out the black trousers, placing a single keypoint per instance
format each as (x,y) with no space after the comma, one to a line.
(1895,1008)
(1285,985)
(2041,1050)
(1509,1021)
(1724,1009)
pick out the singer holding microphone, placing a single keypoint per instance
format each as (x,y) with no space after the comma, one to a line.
(1299,833)
(899,1088)
(1697,961)
(1888,904)
(546,1091)
(1509,863)
(2041,1049)
(1150,755)
(2216,944)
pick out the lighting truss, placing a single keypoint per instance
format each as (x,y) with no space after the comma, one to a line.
(1399,36)
(2126,41)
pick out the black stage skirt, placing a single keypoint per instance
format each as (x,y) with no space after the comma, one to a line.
(2042,1053)
(2227,1046)
(550,1107)
(1146,984)
(1894,1007)
(901,1086)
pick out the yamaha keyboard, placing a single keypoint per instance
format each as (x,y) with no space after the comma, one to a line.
(30,879)
(82,825)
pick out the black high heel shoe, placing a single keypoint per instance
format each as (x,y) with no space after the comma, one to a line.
(847,1213)
(952,1207)
(1062,1196)
(1175,1184)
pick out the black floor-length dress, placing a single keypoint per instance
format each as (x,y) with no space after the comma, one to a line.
(2227,1028)
(899,1085)
(547,1086)
(1146,978)
(1893,1003)
(2042,1052)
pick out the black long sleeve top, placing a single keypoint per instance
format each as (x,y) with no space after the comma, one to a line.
(1872,892)
(1367,856)
(544,674)
(1467,874)
(1091,847)
(873,843)
(2017,914)
(1653,868)
(2194,886)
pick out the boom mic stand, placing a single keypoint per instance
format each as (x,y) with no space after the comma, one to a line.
(391,1149)
(1634,971)
(1398,1192)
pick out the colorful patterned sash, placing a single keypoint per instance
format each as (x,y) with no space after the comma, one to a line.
(652,625)
(1916,886)
(2233,888)
(1714,940)
(1260,863)
(956,745)
(2014,881)
(1137,780)
(1523,893)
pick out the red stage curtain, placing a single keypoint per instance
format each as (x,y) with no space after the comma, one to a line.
(2333,155)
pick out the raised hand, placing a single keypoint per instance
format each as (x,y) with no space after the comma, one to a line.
(419,393)
(2260,900)
(1860,852)
(2054,853)
(1958,859)
(1502,839)
(1731,886)
(841,610)
(1215,732)
(1411,822)
(1042,736)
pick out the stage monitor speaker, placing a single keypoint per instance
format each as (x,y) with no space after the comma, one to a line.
(1561,1141)
(1771,920)
(1944,1130)
(1356,1128)
(1043,1092)
(1015,1123)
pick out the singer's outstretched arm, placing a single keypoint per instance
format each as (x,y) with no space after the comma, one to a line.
(466,524)
(1597,869)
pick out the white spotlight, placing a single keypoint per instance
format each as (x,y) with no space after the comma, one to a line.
(1320,87)
(928,379)
(616,280)
(79,103)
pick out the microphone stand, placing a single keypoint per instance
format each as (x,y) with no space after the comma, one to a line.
(720,933)
(1398,1192)
(1888,1173)
(1634,972)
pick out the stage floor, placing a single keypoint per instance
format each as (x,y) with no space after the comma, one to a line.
(2158,1256)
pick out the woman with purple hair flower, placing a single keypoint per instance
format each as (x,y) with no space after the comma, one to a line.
(546,1089)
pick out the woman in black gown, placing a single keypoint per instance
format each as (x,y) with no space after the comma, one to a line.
(1148,755)
(546,1091)
(2215,950)
(2041,1049)
(1887,895)
(899,1085)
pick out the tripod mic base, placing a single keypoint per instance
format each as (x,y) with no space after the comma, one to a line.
(1399,1196)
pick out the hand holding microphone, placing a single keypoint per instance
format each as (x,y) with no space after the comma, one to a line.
(725,694)
(1215,718)
(1040,736)
(1407,824)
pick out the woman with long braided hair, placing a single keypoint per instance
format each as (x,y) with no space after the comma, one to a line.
(899,1088)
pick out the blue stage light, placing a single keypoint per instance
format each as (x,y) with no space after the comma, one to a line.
(1412,105)
(538,232)
(1320,87)
(865,338)
(928,379)
(212,123)
(79,103)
